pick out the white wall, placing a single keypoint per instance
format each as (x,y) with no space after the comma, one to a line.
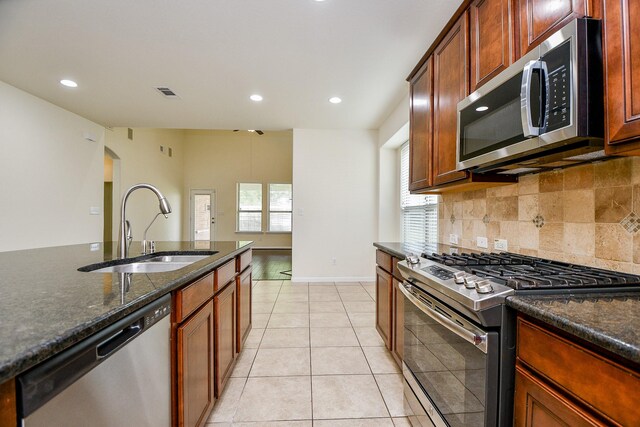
(218,160)
(141,161)
(335,204)
(393,133)
(50,174)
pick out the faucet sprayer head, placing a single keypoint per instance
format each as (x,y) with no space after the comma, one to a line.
(165,207)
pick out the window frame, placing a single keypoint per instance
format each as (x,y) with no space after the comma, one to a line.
(269,211)
(260,211)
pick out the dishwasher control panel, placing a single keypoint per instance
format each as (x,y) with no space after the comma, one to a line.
(152,316)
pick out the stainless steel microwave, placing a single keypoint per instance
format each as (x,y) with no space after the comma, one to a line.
(544,111)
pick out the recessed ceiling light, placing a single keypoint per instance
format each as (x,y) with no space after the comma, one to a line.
(255,97)
(482,108)
(68,83)
(335,100)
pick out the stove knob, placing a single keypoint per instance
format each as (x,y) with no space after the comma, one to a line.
(458,277)
(484,287)
(413,260)
(470,281)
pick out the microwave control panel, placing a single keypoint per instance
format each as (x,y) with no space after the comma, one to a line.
(558,111)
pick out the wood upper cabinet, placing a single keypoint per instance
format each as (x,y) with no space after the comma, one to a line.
(383,305)
(421,129)
(622,67)
(490,40)
(449,87)
(243,296)
(540,18)
(397,322)
(224,307)
(195,376)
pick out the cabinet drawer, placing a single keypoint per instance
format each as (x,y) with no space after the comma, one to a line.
(192,296)
(224,274)
(600,383)
(244,260)
(394,268)
(383,259)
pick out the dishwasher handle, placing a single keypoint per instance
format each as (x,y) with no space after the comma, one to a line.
(120,338)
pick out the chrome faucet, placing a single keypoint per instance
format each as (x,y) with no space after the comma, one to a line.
(125,230)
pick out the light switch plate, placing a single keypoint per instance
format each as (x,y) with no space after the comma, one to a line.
(500,244)
(94,210)
(453,239)
(482,242)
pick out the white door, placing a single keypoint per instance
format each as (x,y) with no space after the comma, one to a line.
(203,219)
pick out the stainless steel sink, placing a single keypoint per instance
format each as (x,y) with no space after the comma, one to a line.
(156,264)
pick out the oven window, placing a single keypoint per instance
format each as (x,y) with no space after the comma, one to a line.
(451,371)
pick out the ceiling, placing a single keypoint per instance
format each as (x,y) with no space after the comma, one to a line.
(214,54)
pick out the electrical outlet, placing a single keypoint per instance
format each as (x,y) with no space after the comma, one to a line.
(94,210)
(482,242)
(94,247)
(453,239)
(500,244)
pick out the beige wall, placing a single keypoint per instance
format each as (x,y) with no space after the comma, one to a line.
(219,160)
(582,213)
(335,204)
(141,161)
(50,174)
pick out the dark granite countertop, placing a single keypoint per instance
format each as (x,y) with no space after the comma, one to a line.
(610,321)
(47,305)
(401,249)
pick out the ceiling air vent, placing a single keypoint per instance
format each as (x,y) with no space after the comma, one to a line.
(168,93)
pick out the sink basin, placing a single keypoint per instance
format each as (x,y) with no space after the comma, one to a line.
(156,264)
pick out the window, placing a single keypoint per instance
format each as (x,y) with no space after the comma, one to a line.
(280,207)
(249,207)
(419,213)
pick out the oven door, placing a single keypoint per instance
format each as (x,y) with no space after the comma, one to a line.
(450,365)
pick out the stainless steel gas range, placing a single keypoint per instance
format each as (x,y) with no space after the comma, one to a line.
(459,337)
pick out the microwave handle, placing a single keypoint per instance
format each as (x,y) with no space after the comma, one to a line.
(525,97)
(479,340)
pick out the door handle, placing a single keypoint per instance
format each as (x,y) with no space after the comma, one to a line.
(528,128)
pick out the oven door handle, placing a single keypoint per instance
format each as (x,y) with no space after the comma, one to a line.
(477,339)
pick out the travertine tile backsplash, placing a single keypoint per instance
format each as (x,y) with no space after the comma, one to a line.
(588,214)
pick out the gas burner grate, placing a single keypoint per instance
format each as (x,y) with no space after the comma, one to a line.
(523,272)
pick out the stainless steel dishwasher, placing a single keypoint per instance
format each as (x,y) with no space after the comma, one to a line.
(119,376)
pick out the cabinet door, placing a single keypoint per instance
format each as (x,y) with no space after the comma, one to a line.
(383,305)
(490,40)
(622,60)
(450,87)
(224,306)
(421,129)
(537,405)
(195,350)
(398,322)
(541,18)
(243,295)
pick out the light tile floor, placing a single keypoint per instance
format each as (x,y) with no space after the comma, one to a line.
(313,358)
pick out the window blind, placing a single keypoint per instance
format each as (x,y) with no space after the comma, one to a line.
(419,213)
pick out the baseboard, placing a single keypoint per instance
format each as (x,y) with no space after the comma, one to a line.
(273,248)
(333,279)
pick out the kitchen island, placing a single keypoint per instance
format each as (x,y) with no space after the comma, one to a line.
(47,305)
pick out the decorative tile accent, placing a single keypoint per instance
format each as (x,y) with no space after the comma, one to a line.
(538,221)
(631,223)
(486,219)
(452,219)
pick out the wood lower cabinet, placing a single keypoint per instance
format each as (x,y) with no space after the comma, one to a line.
(383,305)
(490,40)
(622,75)
(538,19)
(537,405)
(450,86)
(561,381)
(243,296)
(195,376)
(421,128)
(224,307)
(8,404)
(397,339)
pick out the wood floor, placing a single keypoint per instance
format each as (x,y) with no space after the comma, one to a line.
(271,264)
